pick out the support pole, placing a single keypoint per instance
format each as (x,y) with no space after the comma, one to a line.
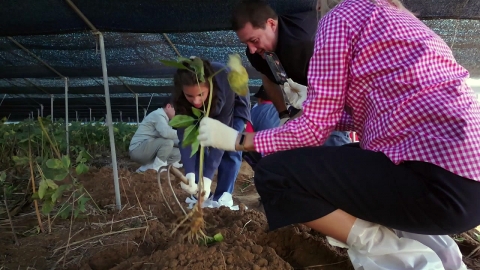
(107,103)
(51,108)
(76,115)
(109,122)
(67,135)
(38,113)
(144,112)
(41,110)
(136,107)
(121,118)
(90,114)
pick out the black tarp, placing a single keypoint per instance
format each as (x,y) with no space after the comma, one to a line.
(29,17)
(51,30)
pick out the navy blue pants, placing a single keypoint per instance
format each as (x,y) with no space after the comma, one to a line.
(305,184)
(229,166)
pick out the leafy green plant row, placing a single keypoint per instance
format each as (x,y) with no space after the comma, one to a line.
(91,138)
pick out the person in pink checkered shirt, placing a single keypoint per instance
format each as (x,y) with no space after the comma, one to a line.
(379,71)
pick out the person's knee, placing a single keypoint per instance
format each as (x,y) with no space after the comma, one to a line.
(169,143)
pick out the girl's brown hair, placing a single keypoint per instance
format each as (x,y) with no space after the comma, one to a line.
(187,77)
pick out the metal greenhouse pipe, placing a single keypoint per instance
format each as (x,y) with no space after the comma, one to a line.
(67,135)
(107,103)
(51,108)
(90,114)
(136,107)
(109,122)
(41,110)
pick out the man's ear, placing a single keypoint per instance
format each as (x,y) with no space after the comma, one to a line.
(272,23)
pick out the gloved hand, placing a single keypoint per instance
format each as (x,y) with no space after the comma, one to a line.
(207,183)
(216,134)
(296,93)
(192,187)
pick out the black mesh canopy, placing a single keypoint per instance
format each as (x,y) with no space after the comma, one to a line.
(139,33)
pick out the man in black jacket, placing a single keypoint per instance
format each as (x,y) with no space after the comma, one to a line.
(292,38)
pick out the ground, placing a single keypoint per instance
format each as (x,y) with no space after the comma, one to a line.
(139,235)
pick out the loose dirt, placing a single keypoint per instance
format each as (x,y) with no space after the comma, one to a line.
(139,235)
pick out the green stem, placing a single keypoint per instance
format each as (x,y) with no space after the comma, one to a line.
(202,149)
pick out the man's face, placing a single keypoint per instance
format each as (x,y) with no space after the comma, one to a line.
(259,40)
(170,111)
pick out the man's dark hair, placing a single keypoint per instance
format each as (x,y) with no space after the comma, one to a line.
(165,103)
(256,12)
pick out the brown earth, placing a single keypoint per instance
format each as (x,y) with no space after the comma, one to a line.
(139,235)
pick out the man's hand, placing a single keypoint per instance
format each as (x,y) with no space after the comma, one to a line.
(216,134)
(191,188)
(296,93)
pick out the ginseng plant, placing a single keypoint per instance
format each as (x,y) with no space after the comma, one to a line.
(238,80)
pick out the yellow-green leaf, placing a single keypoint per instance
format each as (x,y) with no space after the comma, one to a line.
(195,147)
(54,164)
(66,161)
(42,188)
(181,121)
(51,184)
(197,66)
(190,135)
(197,112)
(58,192)
(81,168)
(237,76)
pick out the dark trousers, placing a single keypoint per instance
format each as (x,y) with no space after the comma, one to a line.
(305,184)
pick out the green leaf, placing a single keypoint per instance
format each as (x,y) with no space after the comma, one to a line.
(198,113)
(54,164)
(64,212)
(55,174)
(81,168)
(20,161)
(66,161)
(51,184)
(181,121)
(3,176)
(42,188)
(218,237)
(195,147)
(190,135)
(82,201)
(35,196)
(197,65)
(81,206)
(47,207)
(173,63)
(58,192)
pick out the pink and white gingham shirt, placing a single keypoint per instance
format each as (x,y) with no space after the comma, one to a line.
(381,72)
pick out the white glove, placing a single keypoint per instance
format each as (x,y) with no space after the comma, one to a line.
(216,134)
(296,93)
(191,188)
(207,183)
